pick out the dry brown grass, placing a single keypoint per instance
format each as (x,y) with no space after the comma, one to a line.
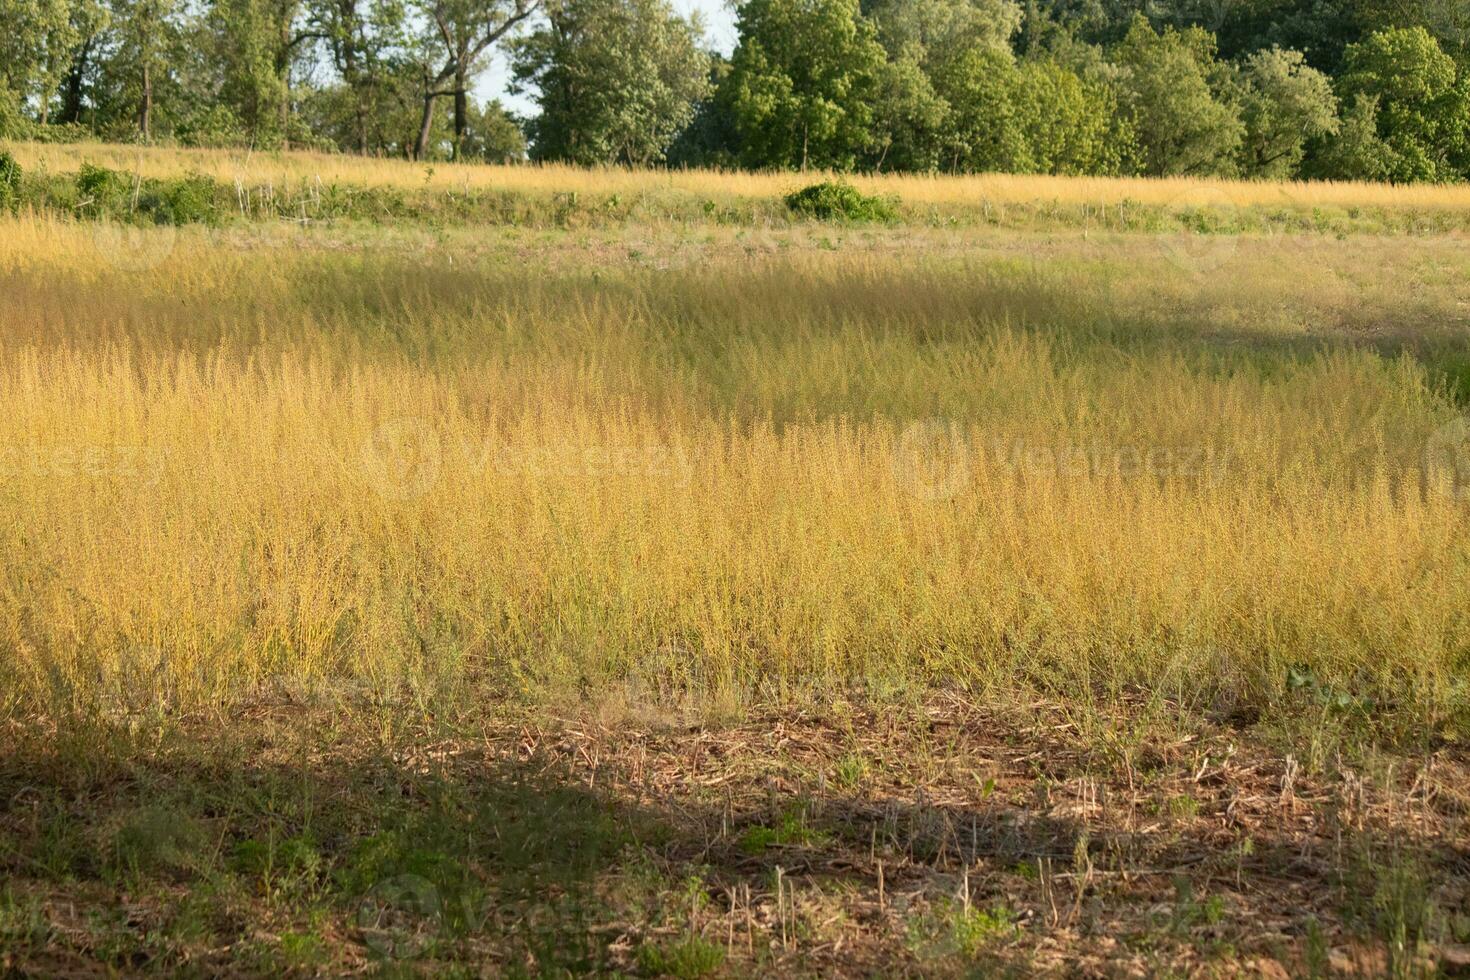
(264,463)
(738,600)
(291,168)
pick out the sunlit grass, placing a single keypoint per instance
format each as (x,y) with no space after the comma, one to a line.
(254,168)
(421,469)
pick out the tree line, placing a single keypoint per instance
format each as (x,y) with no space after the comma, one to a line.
(1344,89)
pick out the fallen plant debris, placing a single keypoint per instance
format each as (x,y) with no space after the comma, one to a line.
(516,840)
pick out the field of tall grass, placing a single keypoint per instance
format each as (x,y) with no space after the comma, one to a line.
(528,571)
(419,465)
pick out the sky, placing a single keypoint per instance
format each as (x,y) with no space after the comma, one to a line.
(719,28)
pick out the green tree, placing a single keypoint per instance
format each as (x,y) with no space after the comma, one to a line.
(1166,93)
(458,36)
(710,140)
(1355,151)
(616,80)
(257,45)
(802,83)
(137,71)
(939,29)
(1423,109)
(984,130)
(89,20)
(921,37)
(1067,123)
(36,48)
(363,39)
(910,116)
(493,135)
(1285,104)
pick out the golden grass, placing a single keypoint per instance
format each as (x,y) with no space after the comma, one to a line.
(417,466)
(294,167)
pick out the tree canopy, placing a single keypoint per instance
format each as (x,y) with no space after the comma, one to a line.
(1347,89)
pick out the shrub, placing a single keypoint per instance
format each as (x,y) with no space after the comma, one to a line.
(186,200)
(102,191)
(838,201)
(9,179)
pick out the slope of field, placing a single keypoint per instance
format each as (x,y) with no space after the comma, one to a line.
(290,168)
(731,599)
(147,186)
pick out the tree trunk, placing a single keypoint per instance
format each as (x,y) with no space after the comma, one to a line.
(145,106)
(71,106)
(461,111)
(426,124)
(286,116)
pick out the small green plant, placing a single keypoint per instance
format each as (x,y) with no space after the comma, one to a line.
(791,830)
(1191,911)
(10,174)
(21,920)
(839,201)
(851,771)
(974,929)
(1183,807)
(686,959)
(953,928)
(187,200)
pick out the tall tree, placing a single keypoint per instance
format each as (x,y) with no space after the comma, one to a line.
(361,38)
(924,39)
(1182,127)
(144,34)
(1285,104)
(89,22)
(37,42)
(1423,107)
(616,80)
(258,44)
(802,82)
(460,34)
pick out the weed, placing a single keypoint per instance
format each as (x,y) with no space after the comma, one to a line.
(837,201)
(685,959)
(792,830)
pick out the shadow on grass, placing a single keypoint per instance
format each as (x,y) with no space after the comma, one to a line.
(184,853)
(297,847)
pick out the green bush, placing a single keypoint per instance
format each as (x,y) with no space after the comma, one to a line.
(101,191)
(187,200)
(9,180)
(838,201)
